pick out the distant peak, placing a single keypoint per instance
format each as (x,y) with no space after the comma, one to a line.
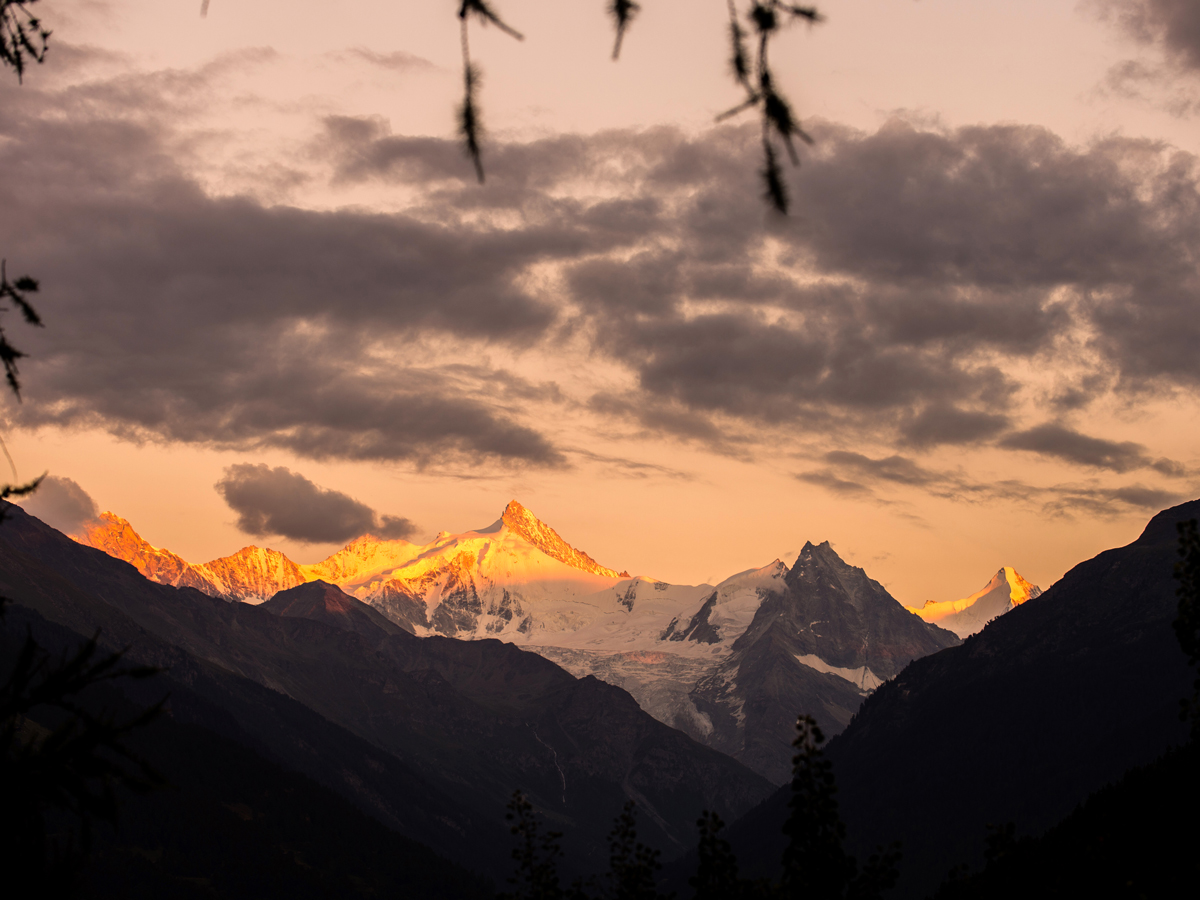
(522,522)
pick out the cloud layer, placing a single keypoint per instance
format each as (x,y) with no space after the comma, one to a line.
(279,502)
(1174,25)
(938,287)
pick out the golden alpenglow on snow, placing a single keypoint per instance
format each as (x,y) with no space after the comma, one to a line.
(1007,590)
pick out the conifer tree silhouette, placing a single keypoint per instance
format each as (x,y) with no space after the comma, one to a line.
(536,855)
(633,867)
(815,864)
(716,875)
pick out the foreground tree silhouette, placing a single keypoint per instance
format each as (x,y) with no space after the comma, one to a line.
(716,875)
(536,855)
(23,37)
(815,863)
(61,761)
(753,25)
(633,867)
(60,758)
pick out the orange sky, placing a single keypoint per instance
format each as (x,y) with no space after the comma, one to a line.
(994,234)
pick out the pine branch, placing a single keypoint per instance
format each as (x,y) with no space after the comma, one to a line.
(22,36)
(16,292)
(623,12)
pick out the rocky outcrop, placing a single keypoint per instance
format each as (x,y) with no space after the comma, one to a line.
(817,647)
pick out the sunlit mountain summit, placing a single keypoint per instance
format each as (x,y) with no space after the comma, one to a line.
(1006,591)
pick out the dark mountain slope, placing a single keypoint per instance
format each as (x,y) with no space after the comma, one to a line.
(325,602)
(231,823)
(264,721)
(1132,839)
(849,632)
(1019,724)
(475,719)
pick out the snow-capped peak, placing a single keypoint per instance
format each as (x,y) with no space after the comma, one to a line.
(1019,590)
(525,524)
(1005,591)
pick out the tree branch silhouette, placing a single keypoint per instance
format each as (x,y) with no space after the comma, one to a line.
(751,70)
(22,35)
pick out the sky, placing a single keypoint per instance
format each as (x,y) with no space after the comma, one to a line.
(279,309)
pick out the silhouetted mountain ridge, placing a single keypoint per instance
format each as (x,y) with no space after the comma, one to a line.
(1020,723)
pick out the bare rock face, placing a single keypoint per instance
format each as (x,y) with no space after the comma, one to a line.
(850,620)
(818,647)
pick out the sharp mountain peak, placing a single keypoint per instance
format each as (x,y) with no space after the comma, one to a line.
(522,522)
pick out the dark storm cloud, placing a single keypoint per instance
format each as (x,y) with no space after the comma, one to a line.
(1069,445)
(61,503)
(651,417)
(220,320)
(924,273)
(1172,24)
(849,473)
(996,208)
(277,501)
(936,255)
(1108,502)
(741,365)
(941,424)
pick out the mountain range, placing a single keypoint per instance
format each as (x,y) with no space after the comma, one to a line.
(428,734)
(730,665)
